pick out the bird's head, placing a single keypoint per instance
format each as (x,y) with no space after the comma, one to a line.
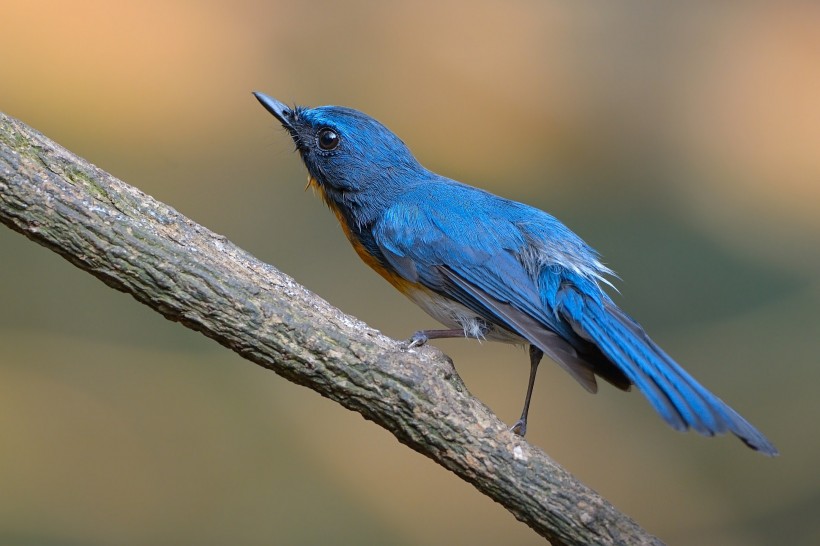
(353,159)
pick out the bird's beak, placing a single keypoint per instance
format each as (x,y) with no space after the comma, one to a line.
(278,109)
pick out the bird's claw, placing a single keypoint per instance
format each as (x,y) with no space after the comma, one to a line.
(417,340)
(519,427)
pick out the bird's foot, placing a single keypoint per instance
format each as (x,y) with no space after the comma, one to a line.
(519,427)
(417,340)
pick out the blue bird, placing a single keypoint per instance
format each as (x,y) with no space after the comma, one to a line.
(491,268)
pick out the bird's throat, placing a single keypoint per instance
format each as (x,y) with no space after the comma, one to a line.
(366,256)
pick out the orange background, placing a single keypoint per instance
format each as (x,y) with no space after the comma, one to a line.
(682,141)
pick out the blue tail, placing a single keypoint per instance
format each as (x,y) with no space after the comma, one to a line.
(681,401)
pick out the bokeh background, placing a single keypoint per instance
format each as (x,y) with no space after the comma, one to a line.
(682,141)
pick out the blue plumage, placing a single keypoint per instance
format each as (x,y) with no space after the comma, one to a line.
(492,268)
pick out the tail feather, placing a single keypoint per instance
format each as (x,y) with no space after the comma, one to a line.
(676,396)
(694,404)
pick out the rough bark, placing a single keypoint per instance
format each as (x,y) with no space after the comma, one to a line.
(191,275)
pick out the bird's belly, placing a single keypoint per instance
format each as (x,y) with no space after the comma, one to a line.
(454,315)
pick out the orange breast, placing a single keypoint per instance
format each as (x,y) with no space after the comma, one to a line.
(402,285)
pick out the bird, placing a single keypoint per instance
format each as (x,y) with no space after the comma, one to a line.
(491,268)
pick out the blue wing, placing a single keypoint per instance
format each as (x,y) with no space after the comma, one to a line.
(520,269)
(477,249)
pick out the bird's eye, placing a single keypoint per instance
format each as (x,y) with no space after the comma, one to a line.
(328,139)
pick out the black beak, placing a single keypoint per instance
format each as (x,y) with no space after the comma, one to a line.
(278,109)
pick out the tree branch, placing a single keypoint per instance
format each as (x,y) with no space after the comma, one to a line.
(191,275)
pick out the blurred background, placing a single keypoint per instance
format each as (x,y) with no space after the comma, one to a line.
(681,141)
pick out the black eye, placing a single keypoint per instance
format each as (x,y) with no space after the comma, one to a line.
(328,139)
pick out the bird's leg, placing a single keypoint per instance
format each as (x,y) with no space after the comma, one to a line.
(423,336)
(520,426)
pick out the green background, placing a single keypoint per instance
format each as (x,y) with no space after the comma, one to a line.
(680,141)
